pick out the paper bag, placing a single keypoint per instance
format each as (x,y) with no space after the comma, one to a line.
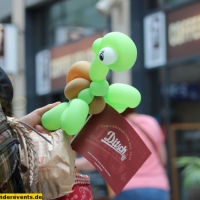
(56,173)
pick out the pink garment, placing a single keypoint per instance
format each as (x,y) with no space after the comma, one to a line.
(152,173)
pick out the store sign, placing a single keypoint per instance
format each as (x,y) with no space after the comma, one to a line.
(62,64)
(182,91)
(183,28)
(154,40)
(63,57)
(43,83)
(8,48)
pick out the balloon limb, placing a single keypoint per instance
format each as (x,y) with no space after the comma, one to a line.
(83,125)
(123,94)
(73,118)
(51,119)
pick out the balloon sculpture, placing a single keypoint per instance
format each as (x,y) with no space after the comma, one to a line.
(87,89)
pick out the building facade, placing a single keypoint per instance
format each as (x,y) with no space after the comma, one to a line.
(171,59)
(166,33)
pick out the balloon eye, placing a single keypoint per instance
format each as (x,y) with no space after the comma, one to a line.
(101,56)
(107,56)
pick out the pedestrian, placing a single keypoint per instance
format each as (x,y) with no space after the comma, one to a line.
(151,181)
(11,181)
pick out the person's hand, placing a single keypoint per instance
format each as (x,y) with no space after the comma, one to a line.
(34,118)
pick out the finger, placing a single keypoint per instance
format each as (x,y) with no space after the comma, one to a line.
(41,129)
(42,110)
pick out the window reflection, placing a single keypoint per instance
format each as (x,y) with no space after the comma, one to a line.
(70,20)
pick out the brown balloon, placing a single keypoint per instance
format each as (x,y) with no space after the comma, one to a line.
(97,105)
(79,70)
(73,88)
(78,79)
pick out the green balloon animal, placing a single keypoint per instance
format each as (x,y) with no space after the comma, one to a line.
(87,89)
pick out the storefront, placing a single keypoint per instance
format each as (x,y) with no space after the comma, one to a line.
(183,53)
(172,61)
(183,57)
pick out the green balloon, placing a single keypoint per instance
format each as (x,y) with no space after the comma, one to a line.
(120,110)
(118,107)
(98,71)
(125,49)
(99,88)
(123,94)
(51,119)
(96,45)
(74,117)
(86,96)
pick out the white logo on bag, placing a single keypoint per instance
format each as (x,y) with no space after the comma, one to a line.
(115,144)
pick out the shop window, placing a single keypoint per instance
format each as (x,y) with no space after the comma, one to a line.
(153,4)
(175,1)
(70,20)
(184,141)
(6,20)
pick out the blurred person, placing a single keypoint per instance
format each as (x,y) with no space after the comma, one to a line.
(10,178)
(150,182)
(81,188)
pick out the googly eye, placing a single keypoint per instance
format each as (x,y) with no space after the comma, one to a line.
(107,56)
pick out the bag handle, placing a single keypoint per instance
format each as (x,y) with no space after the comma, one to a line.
(28,153)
